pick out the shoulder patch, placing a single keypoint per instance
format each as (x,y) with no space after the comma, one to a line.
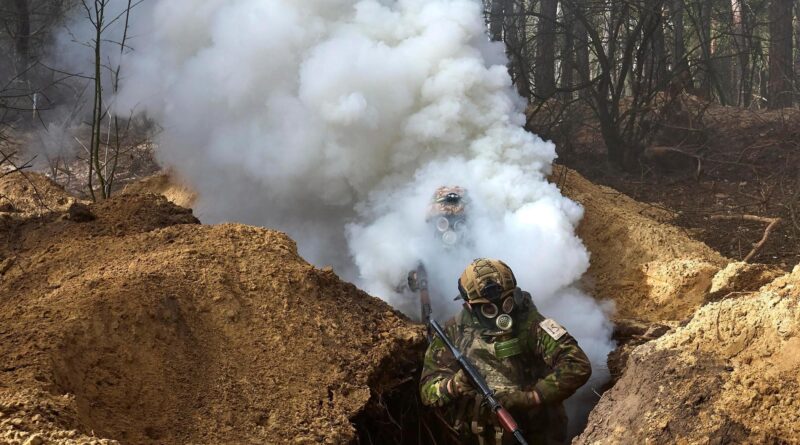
(553,329)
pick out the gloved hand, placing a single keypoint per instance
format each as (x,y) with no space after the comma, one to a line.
(517,399)
(459,385)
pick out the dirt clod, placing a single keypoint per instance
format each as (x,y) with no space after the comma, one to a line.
(79,212)
(737,278)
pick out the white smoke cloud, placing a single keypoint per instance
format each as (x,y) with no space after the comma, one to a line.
(336,120)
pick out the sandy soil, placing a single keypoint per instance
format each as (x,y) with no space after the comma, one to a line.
(653,271)
(32,193)
(145,327)
(728,376)
(127,321)
(166,184)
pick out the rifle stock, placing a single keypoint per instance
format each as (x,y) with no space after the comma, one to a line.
(503,416)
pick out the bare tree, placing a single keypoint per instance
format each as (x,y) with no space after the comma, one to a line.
(679,47)
(545,49)
(22,38)
(581,44)
(622,55)
(781,76)
(103,155)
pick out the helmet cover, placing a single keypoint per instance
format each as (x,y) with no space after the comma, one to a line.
(486,281)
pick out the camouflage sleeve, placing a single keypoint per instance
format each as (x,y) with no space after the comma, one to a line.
(570,368)
(438,367)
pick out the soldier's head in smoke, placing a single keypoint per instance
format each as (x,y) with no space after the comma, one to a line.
(448,215)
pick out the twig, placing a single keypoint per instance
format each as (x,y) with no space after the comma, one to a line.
(771,224)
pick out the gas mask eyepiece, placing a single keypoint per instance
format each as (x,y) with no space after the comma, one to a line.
(498,315)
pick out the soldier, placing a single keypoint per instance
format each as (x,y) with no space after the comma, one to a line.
(448,214)
(448,218)
(531,362)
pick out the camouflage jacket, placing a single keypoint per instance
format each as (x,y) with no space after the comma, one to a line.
(550,363)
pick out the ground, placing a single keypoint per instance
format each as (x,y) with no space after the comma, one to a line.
(750,165)
(128,321)
(141,326)
(650,270)
(728,376)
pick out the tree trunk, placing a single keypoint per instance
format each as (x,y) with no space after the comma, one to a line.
(22,38)
(581,43)
(658,59)
(496,21)
(545,50)
(679,46)
(797,43)
(703,14)
(568,55)
(742,44)
(723,56)
(513,31)
(781,77)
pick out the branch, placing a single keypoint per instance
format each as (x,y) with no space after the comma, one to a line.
(771,224)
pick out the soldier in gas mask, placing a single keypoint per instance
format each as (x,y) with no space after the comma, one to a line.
(447,217)
(448,214)
(530,361)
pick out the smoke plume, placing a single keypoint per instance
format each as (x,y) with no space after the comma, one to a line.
(336,120)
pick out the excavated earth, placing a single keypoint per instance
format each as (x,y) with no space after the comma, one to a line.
(167,184)
(139,325)
(728,376)
(709,349)
(128,321)
(650,269)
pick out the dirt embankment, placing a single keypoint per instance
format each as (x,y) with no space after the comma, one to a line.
(31,193)
(144,327)
(166,184)
(728,376)
(651,270)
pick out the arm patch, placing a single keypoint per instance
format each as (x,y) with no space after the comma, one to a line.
(553,329)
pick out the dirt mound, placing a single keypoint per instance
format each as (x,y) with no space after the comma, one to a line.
(166,184)
(32,193)
(728,376)
(738,278)
(144,327)
(651,269)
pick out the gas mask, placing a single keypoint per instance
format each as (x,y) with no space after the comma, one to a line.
(450,229)
(497,316)
(496,310)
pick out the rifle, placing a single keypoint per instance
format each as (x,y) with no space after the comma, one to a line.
(418,282)
(506,421)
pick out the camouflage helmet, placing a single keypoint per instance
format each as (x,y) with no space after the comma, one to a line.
(486,280)
(447,201)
